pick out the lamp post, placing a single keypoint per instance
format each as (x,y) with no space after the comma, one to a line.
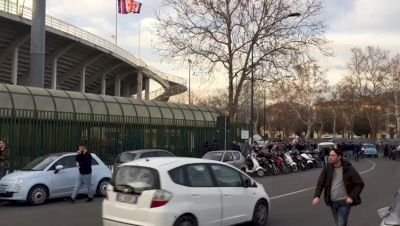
(190,64)
(252,85)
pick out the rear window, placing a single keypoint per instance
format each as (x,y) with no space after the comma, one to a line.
(165,154)
(137,178)
(214,156)
(126,157)
(369,146)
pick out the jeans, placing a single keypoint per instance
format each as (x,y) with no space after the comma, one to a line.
(340,212)
(83,179)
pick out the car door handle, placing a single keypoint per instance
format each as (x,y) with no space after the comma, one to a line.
(227,195)
(195,195)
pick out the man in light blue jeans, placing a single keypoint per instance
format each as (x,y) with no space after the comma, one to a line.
(342,186)
(84,163)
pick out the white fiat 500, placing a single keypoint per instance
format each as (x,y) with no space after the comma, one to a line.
(183,191)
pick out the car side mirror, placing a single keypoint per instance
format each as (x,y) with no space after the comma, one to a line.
(248,183)
(58,168)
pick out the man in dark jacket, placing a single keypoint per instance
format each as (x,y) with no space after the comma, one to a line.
(342,186)
(84,164)
(4,158)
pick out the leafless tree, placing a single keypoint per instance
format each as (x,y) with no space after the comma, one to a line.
(305,87)
(240,36)
(392,85)
(368,70)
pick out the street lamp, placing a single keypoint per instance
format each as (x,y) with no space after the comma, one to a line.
(190,64)
(252,85)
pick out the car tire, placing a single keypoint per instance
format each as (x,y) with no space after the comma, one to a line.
(260,214)
(102,186)
(186,220)
(38,195)
(260,173)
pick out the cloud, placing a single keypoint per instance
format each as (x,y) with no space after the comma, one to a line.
(366,16)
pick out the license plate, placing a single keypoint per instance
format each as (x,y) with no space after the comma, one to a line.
(127,198)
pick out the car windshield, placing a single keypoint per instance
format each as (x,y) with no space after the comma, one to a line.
(40,163)
(137,179)
(369,146)
(126,157)
(214,156)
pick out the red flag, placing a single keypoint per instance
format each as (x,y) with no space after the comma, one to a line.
(129,6)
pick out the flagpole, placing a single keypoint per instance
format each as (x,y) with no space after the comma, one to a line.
(116,22)
(139,36)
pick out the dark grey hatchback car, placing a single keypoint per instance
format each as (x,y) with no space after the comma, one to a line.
(131,155)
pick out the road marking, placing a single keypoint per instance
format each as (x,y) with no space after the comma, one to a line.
(313,187)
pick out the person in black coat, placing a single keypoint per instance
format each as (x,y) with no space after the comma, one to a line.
(342,186)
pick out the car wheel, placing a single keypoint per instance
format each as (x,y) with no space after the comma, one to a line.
(260,214)
(102,187)
(38,195)
(186,220)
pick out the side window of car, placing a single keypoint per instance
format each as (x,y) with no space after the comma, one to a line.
(177,175)
(148,155)
(94,162)
(164,154)
(226,176)
(236,155)
(228,157)
(199,176)
(66,162)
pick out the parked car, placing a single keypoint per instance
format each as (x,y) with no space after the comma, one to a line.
(321,146)
(51,176)
(183,191)
(131,155)
(369,150)
(391,215)
(232,157)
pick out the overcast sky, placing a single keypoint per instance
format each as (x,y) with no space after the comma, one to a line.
(351,23)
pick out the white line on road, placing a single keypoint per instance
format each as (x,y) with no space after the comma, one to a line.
(313,187)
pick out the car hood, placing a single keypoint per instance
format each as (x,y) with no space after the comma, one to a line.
(22,175)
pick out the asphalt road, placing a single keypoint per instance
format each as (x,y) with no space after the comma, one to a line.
(291,196)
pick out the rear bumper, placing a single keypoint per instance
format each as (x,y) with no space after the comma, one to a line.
(116,215)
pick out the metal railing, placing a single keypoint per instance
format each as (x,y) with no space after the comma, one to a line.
(26,12)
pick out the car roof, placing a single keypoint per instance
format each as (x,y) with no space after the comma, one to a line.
(222,151)
(143,150)
(167,162)
(326,143)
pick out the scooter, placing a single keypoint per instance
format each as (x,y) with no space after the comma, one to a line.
(310,160)
(391,215)
(289,161)
(252,165)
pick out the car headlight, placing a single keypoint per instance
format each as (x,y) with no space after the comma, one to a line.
(19,181)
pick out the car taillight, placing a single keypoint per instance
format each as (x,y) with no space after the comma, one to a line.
(160,198)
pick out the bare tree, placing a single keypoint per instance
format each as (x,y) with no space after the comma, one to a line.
(392,84)
(239,36)
(368,70)
(306,86)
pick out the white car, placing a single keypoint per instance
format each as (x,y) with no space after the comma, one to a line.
(183,191)
(51,176)
(391,215)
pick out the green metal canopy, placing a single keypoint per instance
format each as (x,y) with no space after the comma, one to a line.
(58,102)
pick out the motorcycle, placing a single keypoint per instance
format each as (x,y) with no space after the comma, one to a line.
(289,161)
(252,165)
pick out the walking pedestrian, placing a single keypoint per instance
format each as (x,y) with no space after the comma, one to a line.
(342,186)
(84,164)
(4,158)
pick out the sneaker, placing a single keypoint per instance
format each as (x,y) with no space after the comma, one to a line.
(89,200)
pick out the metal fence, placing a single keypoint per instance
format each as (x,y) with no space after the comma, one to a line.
(30,134)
